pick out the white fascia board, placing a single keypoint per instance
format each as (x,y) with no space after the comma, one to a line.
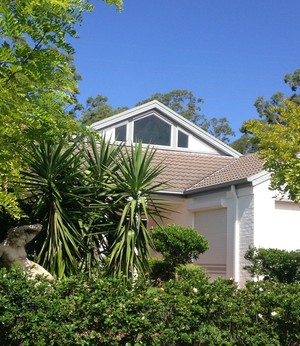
(259,178)
(199,132)
(130,113)
(196,130)
(169,192)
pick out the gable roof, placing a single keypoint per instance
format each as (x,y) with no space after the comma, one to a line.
(189,173)
(168,113)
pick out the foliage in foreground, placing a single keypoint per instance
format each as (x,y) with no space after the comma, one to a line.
(110,311)
(91,197)
(274,264)
(38,80)
(179,245)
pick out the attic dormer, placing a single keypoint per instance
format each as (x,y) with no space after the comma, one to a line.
(157,125)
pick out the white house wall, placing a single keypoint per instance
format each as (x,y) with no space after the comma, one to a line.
(245,229)
(277,223)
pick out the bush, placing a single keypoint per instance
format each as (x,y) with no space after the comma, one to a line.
(191,271)
(159,270)
(178,245)
(112,311)
(274,264)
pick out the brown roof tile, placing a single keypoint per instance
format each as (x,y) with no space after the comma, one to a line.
(185,169)
(237,169)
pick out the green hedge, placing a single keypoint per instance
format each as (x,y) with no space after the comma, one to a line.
(178,245)
(274,264)
(186,311)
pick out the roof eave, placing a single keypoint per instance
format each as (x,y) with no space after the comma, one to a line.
(216,187)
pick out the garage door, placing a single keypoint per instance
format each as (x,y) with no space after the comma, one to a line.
(212,224)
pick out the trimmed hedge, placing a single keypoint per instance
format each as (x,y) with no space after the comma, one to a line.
(274,264)
(178,245)
(106,311)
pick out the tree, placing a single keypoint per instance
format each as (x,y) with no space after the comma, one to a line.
(57,197)
(97,109)
(279,144)
(269,111)
(37,79)
(245,144)
(183,102)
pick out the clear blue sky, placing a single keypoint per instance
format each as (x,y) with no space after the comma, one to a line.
(227,52)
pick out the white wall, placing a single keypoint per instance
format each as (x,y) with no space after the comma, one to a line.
(277,223)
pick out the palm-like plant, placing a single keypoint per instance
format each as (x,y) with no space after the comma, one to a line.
(100,164)
(92,199)
(57,196)
(135,181)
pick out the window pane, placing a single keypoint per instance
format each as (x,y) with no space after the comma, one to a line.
(120,133)
(152,130)
(183,140)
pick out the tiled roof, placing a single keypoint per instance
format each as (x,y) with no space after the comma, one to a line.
(241,168)
(186,171)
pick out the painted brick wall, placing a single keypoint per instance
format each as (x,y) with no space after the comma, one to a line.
(246,232)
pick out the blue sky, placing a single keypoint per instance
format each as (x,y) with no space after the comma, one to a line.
(226,52)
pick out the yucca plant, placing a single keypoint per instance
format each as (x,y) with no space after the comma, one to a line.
(100,166)
(92,198)
(135,180)
(57,195)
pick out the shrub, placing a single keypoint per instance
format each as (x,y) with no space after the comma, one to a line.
(178,245)
(111,311)
(190,271)
(274,264)
(159,270)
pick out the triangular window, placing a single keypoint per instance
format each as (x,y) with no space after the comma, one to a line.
(152,130)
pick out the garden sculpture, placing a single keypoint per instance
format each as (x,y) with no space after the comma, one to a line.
(12,249)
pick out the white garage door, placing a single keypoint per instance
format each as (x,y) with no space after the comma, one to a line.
(212,224)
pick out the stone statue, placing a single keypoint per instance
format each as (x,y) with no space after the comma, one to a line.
(12,249)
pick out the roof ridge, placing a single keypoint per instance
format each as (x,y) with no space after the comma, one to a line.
(215,172)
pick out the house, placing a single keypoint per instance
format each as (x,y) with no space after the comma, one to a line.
(225,196)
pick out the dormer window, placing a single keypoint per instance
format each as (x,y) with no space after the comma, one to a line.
(152,130)
(183,140)
(121,133)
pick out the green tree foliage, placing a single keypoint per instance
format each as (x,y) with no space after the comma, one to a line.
(269,111)
(279,147)
(274,264)
(97,109)
(57,198)
(37,76)
(245,144)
